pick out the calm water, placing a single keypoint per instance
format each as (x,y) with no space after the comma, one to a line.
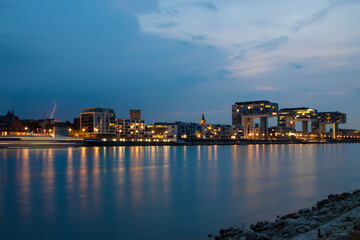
(163,192)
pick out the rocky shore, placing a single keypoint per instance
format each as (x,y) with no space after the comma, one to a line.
(335,218)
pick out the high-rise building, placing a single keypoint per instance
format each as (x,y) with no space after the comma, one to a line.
(324,118)
(97,120)
(287,117)
(244,113)
(131,128)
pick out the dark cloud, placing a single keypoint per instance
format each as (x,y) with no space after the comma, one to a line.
(208,6)
(296,65)
(198,37)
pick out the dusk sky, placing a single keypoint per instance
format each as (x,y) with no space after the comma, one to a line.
(175,59)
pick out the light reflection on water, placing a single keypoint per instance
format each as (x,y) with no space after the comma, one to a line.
(163,192)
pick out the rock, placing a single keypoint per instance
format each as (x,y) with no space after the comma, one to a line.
(342,236)
(263,237)
(324,210)
(345,195)
(291,215)
(301,229)
(322,203)
(334,197)
(304,210)
(289,230)
(314,224)
(356,192)
(250,235)
(210,235)
(343,203)
(302,220)
(291,221)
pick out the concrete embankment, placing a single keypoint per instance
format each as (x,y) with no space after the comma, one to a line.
(337,217)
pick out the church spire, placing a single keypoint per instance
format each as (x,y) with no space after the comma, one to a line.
(203,121)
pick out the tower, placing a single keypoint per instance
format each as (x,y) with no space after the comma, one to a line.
(203,121)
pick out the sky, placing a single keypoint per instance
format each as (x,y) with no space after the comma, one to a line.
(175,59)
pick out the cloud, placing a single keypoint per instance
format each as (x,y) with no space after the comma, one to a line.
(200,112)
(273,44)
(266,88)
(322,14)
(167,25)
(296,65)
(259,40)
(337,93)
(208,5)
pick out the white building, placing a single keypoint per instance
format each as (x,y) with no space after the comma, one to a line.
(97,120)
(130,128)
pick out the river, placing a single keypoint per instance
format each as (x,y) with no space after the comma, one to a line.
(164,192)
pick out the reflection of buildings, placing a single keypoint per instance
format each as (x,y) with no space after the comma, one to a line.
(130,128)
(97,120)
(244,113)
(288,116)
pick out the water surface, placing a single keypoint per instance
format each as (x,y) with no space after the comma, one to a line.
(163,192)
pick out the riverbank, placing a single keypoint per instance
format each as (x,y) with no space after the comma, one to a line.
(31,141)
(337,217)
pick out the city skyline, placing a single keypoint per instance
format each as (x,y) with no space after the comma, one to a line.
(151,56)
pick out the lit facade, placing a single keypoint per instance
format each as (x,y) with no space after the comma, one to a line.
(194,130)
(351,134)
(287,118)
(97,120)
(325,118)
(130,128)
(244,113)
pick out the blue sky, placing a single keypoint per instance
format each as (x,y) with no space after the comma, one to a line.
(176,59)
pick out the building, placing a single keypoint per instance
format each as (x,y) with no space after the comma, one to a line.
(203,121)
(130,128)
(349,134)
(282,132)
(194,130)
(135,114)
(76,125)
(287,117)
(216,131)
(61,130)
(244,113)
(11,124)
(162,130)
(325,118)
(97,120)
